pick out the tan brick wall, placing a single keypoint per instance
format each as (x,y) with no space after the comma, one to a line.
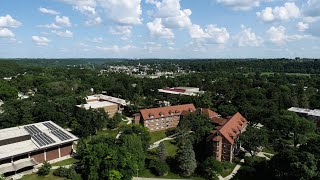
(52,153)
(38,156)
(66,150)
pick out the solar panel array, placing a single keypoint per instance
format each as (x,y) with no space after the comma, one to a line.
(57,132)
(40,137)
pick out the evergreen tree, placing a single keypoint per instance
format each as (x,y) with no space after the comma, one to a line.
(186,158)
(162,152)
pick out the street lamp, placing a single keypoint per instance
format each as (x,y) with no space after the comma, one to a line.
(137,173)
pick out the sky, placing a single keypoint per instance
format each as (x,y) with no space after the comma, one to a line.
(159,28)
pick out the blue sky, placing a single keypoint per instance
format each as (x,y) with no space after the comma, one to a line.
(159,28)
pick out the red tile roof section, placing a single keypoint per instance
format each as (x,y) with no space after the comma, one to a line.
(232,125)
(176,110)
(209,112)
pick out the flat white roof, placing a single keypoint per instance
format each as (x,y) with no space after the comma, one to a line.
(102,97)
(309,112)
(96,105)
(30,145)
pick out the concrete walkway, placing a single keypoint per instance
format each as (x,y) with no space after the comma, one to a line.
(233,173)
(156,144)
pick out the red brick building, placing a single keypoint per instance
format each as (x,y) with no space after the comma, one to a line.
(225,137)
(23,147)
(157,119)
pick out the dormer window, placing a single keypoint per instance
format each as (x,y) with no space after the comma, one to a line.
(171,112)
(177,111)
(151,115)
(161,114)
(190,110)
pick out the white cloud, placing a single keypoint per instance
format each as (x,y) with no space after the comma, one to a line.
(278,35)
(48,11)
(94,21)
(157,29)
(5,33)
(123,11)
(49,26)
(171,13)
(312,8)
(180,21)
(96,40)
(243,5)
(302,26)
(248,38)
(283,13)
(121,30)
(9,22)
(211,33)
(65,33)
(88,8)
(266,14)
(115,48)
(63,21)
(41,41)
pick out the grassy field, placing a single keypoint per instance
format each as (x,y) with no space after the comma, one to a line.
(156,136)
(108,131)
(269,149)
(35,176)
(147,174)
(66,162)
(171,147)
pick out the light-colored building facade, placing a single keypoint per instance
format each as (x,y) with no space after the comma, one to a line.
(111,105)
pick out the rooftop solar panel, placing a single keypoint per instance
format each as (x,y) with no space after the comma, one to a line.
(57,132)
(61,135)
(37,135)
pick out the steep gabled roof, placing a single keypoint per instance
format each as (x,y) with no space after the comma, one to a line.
(166,111)
(232,128)
(209,112)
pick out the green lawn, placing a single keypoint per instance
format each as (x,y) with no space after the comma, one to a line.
(268,149)
(108,131)
(171,147)
(228,168)
(156,136)
(34,176)
(147,174)
(66,162)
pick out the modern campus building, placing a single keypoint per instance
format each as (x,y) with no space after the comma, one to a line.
(313,114)
(157,119)
(308,113)
(189,91)
(111,105)
(225,137)
(23,147)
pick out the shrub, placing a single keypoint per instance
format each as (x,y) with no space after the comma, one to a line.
(210,168)
(67,173)
(61,172)
(44,169)
(158,167)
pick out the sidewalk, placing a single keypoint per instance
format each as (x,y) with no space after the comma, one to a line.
(156,144)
